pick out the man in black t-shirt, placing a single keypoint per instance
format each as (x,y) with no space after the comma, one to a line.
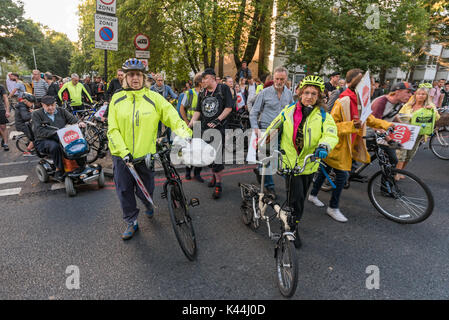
(333,83)
(214,106)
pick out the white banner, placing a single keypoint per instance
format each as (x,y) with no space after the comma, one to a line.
(69,134)
(406,134)
(100,113)
(363,90)
(240,101)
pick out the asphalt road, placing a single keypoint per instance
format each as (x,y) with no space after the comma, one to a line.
(44,232)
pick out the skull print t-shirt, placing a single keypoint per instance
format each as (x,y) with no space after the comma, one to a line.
(211,104)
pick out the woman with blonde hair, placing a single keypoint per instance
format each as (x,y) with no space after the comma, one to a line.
(421,99)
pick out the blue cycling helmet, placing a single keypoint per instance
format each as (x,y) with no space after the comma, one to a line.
(133,64)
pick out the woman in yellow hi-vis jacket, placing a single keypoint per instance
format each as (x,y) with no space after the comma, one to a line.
(306,129)
(134,115)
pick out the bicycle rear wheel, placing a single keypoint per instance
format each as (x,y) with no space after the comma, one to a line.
(439,144)
(406,201)
(286,267)
(181,220)
(92,136)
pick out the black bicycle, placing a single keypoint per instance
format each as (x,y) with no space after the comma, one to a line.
(178,206)
(406,201)
(96,136)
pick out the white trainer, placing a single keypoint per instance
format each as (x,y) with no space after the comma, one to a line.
(336,214)
(315,201)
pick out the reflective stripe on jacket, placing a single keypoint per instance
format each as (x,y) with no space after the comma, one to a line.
(133,122)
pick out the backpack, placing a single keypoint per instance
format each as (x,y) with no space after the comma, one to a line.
(425,118)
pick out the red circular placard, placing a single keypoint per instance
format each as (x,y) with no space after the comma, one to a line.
(70,136)
(401,134)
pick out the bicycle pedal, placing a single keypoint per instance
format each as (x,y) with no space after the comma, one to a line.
(275,236)
(164,195)
(194,202)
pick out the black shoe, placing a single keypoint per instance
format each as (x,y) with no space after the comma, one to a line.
(217,192)
(59,176)
(212,182)
(5,147)
(258,177)
(358,177)
(297,242)
(188,177)
(271,192)
(198,178)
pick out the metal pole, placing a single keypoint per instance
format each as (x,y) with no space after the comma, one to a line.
(34,56)
(106,66)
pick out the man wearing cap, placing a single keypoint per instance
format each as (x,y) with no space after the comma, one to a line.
(46,139)
(387,107)
(76,91)
(213,107)
(333,83)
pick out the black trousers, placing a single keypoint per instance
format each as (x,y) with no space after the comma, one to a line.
(297,189)
(127,188)
(51,148)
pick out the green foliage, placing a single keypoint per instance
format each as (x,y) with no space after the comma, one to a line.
(346,36)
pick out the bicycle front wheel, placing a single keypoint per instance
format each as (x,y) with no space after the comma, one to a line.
(22,143)
(439,144)
(406,201)
(286,267)
(181,220)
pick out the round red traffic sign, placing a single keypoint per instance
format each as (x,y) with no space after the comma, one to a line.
(107,2)
(239,98)
(106,34)
(142,42)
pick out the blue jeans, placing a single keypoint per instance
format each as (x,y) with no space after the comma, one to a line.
(268,178)
(340,180)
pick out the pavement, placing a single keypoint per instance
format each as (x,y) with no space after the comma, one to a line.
(45,233)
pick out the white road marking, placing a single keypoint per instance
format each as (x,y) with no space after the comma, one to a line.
(13,179)
(10,192)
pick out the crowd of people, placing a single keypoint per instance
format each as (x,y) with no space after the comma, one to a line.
(314,117)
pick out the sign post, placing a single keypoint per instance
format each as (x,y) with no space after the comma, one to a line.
(106,29)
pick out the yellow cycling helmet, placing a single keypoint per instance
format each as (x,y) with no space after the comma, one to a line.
(312,81)
(425,85)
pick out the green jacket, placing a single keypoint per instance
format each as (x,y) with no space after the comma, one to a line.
(316,132)
(133,122)
(75,93)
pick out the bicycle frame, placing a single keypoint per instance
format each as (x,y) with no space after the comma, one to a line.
(263,201)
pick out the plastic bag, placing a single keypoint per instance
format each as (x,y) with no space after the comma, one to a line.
(198,153)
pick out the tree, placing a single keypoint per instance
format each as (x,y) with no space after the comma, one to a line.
(11,16)
(353,33)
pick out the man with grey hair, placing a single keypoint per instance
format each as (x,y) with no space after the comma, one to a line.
(269,103)
(40,87)
(76,91)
